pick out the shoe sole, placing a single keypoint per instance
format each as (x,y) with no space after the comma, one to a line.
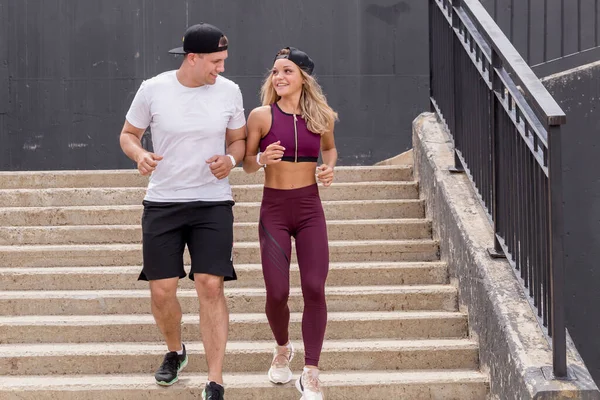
(282,382)
(291,374)
(181,367)
(299,389)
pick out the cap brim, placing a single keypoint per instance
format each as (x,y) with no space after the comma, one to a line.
(177,50)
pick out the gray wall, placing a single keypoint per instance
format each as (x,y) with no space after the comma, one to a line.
(578,93)
(69,69)
(543,30)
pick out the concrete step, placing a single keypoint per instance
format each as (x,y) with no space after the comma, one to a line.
(243,212)
(103,358)
(61,197)
(240,300)
(131,177)
(142,328)
(243,253)
(249,275)
(372,229)
(337,385)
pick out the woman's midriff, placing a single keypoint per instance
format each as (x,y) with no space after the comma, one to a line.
(289,175)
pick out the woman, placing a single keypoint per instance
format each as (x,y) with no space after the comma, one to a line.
(294,123)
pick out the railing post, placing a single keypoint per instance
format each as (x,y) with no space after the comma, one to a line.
(458,167)
(557,267)
(497,251)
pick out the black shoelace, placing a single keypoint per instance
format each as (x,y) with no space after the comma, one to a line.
(170,362)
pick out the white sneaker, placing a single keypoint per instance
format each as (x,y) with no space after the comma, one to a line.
(280,371)
(309,385)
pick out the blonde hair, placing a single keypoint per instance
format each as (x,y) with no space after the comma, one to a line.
(319,116)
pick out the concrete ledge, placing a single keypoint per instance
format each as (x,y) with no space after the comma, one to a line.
(406,159)
(513,349)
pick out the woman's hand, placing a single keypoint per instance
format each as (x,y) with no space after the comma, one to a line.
(272,154)
(325,175)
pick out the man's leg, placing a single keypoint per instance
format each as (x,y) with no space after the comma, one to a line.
(214,322)
(211,251)
(164,237)
(167,311)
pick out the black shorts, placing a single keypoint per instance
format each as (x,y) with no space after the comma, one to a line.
(206,227)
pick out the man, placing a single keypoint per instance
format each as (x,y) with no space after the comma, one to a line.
(193,114)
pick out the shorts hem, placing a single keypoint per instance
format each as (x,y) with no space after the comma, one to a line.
(227,276)
(144,277)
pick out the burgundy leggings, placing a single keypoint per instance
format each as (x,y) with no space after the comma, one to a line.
(297,213)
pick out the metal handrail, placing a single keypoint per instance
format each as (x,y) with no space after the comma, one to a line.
(506,132)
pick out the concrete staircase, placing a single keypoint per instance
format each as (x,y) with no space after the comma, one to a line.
(75,323)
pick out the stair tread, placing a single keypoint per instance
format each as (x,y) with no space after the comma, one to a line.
(240,186)
(332,243)
(294,291)
(112,319)
(242,380)
(68,349)
(238,267)
(237,204)
(382,221)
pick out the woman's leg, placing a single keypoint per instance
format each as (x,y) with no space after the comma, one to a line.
(275,251)
(312,249)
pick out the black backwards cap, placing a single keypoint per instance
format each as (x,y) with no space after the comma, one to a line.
(201,38)
(300,58)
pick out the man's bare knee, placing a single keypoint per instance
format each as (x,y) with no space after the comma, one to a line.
(163,291)
(209,287)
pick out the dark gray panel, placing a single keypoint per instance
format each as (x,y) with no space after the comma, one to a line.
(5,150)
(537,34)
(520,27)
(504,10)
(490,6)
(577,94)
(597,25)
(571,27)
(3,57)
(588,22)
(554,30)
(385,27)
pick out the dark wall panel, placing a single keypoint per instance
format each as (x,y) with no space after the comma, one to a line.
(588,24)
(571,15)
(544,30)
(577,92)
(71,69)
(3,60)
(537,51)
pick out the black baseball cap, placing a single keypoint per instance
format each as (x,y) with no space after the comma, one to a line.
(201,38)
(300,58)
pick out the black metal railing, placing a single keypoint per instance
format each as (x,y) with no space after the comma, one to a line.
(506,132)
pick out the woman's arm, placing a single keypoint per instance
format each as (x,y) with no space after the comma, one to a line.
(259,123)
(330,155)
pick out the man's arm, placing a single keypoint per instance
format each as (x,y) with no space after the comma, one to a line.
(236,143)
(235,139)
(131,144)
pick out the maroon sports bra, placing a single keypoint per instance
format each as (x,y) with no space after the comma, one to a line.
(301,145)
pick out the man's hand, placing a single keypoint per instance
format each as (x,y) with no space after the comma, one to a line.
(220,166)
(147,162)
(325,175)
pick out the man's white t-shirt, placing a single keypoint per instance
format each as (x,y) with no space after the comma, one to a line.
(188,127)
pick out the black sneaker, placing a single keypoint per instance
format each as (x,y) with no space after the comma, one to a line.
(168,372)
(213,391)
